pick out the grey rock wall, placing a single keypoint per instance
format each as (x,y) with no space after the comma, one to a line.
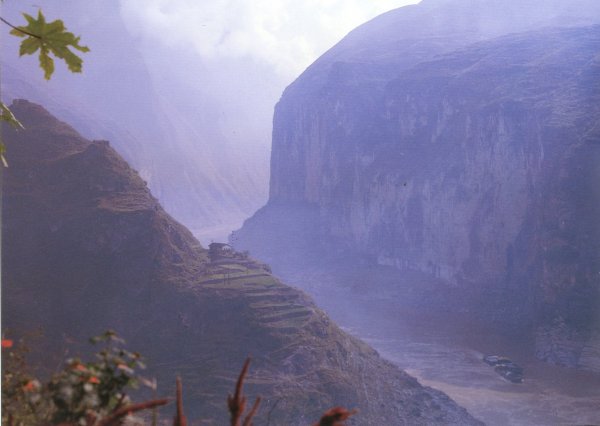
(475,162)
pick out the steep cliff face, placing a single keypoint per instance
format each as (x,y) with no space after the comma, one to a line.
(338,98)
(86,247)
(473,162)
(489,177)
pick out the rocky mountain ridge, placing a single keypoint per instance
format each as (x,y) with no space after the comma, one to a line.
(208,173)
(86,247)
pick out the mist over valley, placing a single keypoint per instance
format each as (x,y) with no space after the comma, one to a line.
(394,212)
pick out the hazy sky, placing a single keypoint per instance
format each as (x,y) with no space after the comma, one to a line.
(216,70)
(242,53)
(287,35)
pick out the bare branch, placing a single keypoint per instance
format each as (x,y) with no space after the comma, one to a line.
(180,419)
(19,29)
(113,419)
(237,402)
(248,419)
(335,417)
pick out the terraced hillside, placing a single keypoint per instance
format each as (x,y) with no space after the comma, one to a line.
(275,306)
(86,247)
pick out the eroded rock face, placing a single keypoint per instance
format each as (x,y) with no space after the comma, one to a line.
(86,248)
(475,162)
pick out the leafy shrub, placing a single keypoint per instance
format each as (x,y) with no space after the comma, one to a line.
(81,393)
(94,393)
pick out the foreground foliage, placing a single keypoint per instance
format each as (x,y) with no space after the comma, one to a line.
(86,393)
(47,38)
(94,393)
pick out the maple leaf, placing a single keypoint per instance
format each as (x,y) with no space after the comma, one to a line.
(49,38)
(7,115)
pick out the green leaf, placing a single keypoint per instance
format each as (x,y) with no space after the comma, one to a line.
(46,63)
(29,46)
(49,38)
(7,115)
(2,157)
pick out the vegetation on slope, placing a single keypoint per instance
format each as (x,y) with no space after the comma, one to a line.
(95,393)
(91,249)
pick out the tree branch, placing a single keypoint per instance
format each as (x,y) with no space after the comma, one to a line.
(122,412)
(252,413)
(237,402)
(335,417)
(180,419)
(19,29)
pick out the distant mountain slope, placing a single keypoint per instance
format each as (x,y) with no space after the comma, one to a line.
(167,126)
(86,247)
(462,150)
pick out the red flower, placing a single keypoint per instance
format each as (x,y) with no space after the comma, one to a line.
(93,380)
(29,386)
(79,367)
(7,343)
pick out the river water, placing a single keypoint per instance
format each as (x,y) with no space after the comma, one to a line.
(445,352)
(448,357)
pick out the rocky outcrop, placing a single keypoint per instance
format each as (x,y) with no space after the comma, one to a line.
(168,122)
(473,161)
(86,247)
